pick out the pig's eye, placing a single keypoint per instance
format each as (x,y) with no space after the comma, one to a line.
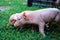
(18,19)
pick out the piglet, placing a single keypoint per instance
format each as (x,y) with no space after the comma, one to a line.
(40,17)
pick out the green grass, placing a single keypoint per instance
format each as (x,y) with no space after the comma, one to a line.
(8,33)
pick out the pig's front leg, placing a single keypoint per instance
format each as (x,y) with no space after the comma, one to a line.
(41,28)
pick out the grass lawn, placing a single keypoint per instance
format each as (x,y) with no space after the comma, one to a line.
(8,33)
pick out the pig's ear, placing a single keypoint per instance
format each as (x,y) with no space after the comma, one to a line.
(25,16)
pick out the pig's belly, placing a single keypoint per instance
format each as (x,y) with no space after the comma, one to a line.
(49,18)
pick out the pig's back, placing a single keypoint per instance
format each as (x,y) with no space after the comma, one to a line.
(47,14)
